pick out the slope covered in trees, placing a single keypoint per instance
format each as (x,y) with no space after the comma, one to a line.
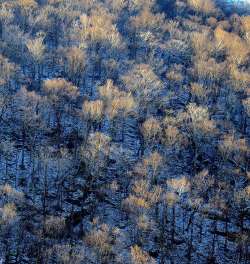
(124,132)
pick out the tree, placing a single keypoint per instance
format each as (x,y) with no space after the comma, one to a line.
(101,239)
(140,257)
(205,6)
(234,149)
(99,27)
(6,16)
(145,86)
(142,28)
(151,129)
(26,7)
(11,202)
(93,111)
(200,119)
(237,48)
(76,63)
(100,32)
(153,163)
(199,93)
(37,50)
(209,72)
(246,26)
(241,199)
(6,151)
(96,153)
(61,96)
(117,105)
(9,72)
(67,254)
(28,118)
(171,199)
(54,226)
(172,136)
(199,130)
(202,44)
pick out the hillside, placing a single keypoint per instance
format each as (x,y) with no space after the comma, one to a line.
(125,128)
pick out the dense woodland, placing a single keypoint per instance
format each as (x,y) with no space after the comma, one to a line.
(125,132)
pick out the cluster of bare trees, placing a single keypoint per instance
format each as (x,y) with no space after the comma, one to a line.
(124,132)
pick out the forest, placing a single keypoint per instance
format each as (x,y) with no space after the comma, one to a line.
(124,132)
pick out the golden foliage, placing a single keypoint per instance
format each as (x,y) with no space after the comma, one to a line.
(200,119)
(212,22)
(76,60)
(147,20)
(245,20)
(6,14)
(141,188)
(10,193)
(117,5)
(202,44)
(140,4)
(151,129)
(180,185)
(171,198)
(99,26)
(109,91)
(8,213)
(27,4)
(209,70)
(238,50)
(231,147)
(154,160)
(135,204)
(175,74)
(205,6)
(144,191)
(247,191)
(144,223)
(139,256)
(224,24)
(7,70)
(123,104)
(116,101)
(60,88)
(143,82)
(93,110)
(171,135)
(239,79)
(99,141)
(100,239)
(36,48)
(198,91)
(198,113)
